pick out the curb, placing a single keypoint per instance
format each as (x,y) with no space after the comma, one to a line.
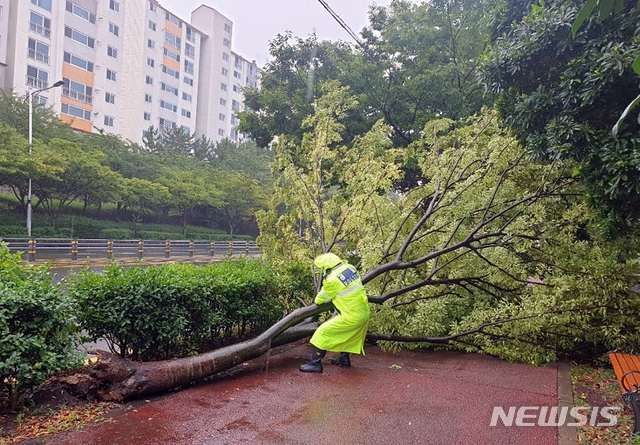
(567,435)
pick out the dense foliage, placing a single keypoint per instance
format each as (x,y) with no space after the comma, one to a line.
(493,252)
(562,95)
(152,313)
(176,178)
(38,336)
(418,62)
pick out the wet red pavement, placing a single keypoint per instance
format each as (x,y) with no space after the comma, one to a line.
(406,398)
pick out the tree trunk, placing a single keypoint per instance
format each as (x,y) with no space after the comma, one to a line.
(116,379)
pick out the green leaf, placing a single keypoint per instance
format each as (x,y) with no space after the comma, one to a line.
(626,111)
(619,7)
(583,15)
(636,65)
(606,8)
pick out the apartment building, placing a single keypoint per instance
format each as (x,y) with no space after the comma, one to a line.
(126,65)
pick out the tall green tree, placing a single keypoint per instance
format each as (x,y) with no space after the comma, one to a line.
(79,173)
(419,63)
(244,157)
(562,96)
(14,112)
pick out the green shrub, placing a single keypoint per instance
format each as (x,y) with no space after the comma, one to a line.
(36,328)
(11,230)
(149,234)
(116,234)
(150,313)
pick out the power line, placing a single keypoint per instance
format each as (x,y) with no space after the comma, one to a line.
(344,25)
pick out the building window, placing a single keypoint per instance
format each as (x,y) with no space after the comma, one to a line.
(173,19)
(80,12)
(77,91)
(187,97)
(114,5)
(168,106)
(225,72)
(168,88)
(223,86)
(151,62)
(172,39)
(171,72)
(44,4)
(237,75)
(114,29)
(191,36)
(188,67)
(76,111)
(40,24)
(79,37)
(108,121)
(146,116)
(78,61)
(152,6)
(188,81)
(111,75)
(172,55)
(148,98)
(110,98)
(152,25)
(227,27)
(149,80)
(38,51)
(225,56)
(151,44)
(190,51)
(226,42)
(223,102)
(166,123)
(235,105)
(112,52)
(220,132)
(36,77)
(236,89)
(186,113)
(222,117)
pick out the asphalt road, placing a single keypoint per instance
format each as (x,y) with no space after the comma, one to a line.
(406,398)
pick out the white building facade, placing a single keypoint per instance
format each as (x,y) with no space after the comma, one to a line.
(126,65)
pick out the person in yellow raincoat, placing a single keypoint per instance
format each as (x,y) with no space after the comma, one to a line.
(344,333)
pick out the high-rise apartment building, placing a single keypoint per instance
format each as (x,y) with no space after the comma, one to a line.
(126,65)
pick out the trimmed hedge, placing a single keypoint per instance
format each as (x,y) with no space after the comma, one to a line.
(159,312)
(38,336)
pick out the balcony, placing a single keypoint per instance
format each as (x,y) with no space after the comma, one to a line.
(172,43)
(37,83)
(39,29)
(76,95)
(36,55)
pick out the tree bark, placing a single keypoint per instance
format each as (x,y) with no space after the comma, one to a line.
(117,379)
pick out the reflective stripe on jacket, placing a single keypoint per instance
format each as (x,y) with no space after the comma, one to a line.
(345,332)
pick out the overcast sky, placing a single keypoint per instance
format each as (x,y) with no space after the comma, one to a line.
(255,22)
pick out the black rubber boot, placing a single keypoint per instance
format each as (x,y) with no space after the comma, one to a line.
(315,365)
(343,360)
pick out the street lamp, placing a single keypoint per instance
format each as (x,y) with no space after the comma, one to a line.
(30,96)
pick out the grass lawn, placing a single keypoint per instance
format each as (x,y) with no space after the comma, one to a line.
(597,386)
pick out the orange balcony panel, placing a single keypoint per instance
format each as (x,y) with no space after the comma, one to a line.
(168,62)
(77,74)
(76,123)
(172,28)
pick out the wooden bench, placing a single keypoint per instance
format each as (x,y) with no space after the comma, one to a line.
(627,369)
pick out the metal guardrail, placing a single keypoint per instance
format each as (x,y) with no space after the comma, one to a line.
(65,249)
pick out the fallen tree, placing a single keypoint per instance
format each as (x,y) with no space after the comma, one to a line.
(450,262)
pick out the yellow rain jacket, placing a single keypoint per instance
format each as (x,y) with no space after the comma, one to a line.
(342,285)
